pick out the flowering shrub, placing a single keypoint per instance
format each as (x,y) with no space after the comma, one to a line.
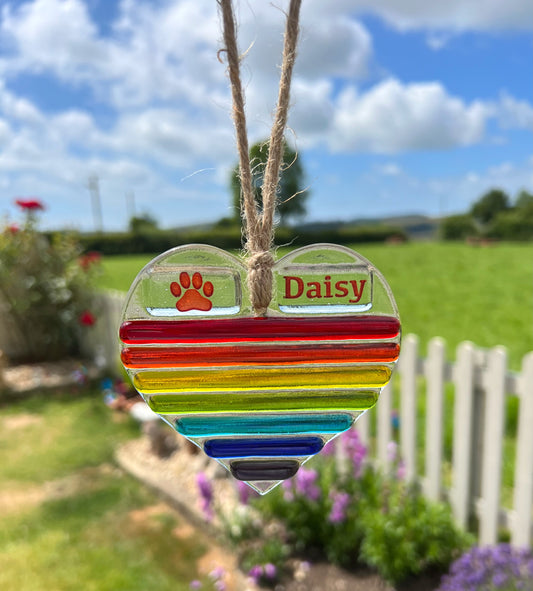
(30,204)
(263,573)
(45,287)
(205,489)
(498,568)
(215,581)
(349,513)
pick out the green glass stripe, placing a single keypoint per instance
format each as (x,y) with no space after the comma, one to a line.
(284,401)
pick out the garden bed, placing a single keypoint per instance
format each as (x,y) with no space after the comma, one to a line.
(31,377)
(174,478)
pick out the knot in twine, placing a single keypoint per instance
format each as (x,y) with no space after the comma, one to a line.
(260,279)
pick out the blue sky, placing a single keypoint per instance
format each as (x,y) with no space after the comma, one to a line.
(397,106)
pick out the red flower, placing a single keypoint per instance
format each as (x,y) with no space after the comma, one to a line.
(29,204)
(86,318)
(91,258)
(13,228)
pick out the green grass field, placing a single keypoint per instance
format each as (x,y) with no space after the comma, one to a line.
(66,513)
(455,291)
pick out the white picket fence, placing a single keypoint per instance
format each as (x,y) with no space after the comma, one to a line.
(481,384)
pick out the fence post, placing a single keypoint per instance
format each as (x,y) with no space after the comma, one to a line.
(363,426)
(523,479)
(494,418)
(434,418)
(114,306)
(463,433)
(408,373)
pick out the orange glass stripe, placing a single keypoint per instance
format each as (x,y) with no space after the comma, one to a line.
(216,355)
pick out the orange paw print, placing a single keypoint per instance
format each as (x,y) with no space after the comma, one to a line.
(192,299)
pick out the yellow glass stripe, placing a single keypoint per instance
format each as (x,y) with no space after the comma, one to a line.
(231,379)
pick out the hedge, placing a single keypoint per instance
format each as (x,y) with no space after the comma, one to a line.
(228,238)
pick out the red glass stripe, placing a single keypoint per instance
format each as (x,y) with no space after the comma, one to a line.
(214,355)
(227,330)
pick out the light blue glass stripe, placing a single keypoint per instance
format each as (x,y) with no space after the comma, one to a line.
(268,425)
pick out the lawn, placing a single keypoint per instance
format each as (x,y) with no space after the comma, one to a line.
(456,291)
(69,519)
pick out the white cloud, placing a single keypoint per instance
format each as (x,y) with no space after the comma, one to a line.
(390,169)
(158,68)
(56,35)
(348,43)
(393,117)
(437,40)
(454,15)
(155,70)
(17,108)
(312,111)
(169,135)
(153,53)
(513,113)
(463,190)
(168,51)
(5,133)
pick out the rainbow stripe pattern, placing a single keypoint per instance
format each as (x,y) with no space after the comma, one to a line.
(259,395)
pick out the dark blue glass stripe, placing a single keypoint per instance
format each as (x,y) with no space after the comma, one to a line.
(268,425)
(268,447)
(264,469)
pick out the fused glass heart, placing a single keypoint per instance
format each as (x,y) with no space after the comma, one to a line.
(260,395)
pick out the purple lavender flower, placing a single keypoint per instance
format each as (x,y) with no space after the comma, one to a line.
(498,567)
(217,573)
(329,448)
(401,471)
(256,572)
(245,492)
(499,580)
(206,495)
(341,500)
(306,484)
(270,570)
(195,585)
(220,585)
(288,494)
(392,451)
(355,449)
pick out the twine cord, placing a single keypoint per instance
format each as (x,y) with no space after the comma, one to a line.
(259,226)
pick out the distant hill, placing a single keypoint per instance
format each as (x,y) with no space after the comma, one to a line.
(417,227)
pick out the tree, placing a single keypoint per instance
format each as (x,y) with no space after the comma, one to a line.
(458,227)
(143,223)
(524,201)
(514,224)
(291,194)
(489,206)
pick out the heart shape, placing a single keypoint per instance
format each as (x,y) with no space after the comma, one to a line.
(260,395)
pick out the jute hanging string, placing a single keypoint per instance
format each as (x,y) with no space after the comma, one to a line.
(259,225)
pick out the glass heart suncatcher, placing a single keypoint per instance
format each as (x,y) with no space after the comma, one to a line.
(260,395)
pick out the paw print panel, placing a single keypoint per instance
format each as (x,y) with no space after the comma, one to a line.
(260,395)
(192,294)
